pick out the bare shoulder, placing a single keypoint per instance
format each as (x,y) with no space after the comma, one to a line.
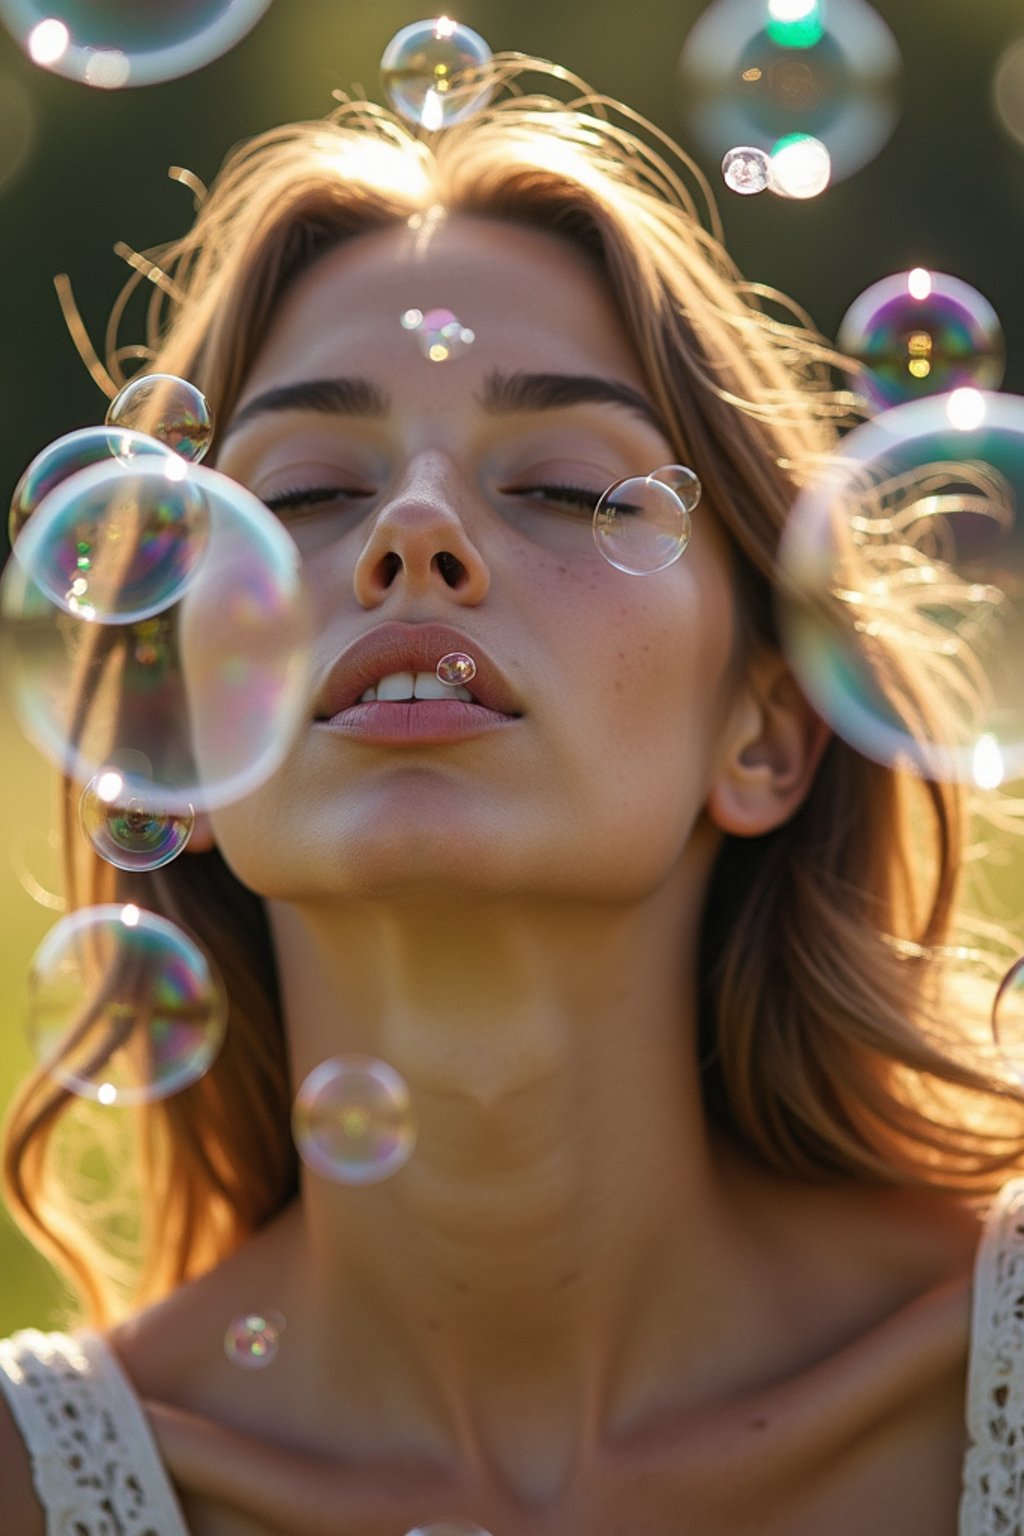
(23,1515)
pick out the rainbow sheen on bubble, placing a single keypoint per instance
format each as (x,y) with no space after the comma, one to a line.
(642,524)
(167,408)
(353,1120)
(435,73)
(118,542)
(252,1340)
(440,334)
(901,597)
(922,333)
(446,1527)
(455,669)
(116,814)
(64,457)
(123,1007)
(1008,1018)
(746,170)
(201,699)
(757,72)
(124,42)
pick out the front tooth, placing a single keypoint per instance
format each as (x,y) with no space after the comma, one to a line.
(429,686)
(397,685)
(368,697)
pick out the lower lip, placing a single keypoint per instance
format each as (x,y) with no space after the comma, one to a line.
(428,722)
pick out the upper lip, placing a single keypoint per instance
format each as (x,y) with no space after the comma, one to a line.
(409,648)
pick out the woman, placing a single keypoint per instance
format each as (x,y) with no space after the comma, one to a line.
(686,1243)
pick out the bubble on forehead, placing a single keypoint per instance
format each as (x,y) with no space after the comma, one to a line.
(642,524)
(921,333)
(353,1120)
(125,828)
(755,72)
(122,43)
(206,693)
(902,588)
(441,336)
(434,73)
(123,1007)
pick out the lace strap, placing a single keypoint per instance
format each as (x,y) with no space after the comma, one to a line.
(95,1465)
(993,1498)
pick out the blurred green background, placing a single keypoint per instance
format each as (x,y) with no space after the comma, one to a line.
(947,192)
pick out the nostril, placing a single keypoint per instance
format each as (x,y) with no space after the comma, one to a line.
(390,567)
(452,570)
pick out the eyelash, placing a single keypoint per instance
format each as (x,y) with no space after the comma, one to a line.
(312,497)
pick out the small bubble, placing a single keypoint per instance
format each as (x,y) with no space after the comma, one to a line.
(746,169)
(642,524)
(121,823)
(167,408)
(440,334)
(434,73)
(800,166)
(252,1340)
(353,1120)
(456,668)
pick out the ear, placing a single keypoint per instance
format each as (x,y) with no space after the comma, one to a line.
(773,744)
(202,839)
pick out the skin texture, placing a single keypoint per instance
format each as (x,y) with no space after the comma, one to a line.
(573,1309)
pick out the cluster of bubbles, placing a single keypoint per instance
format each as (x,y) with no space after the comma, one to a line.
(440,334)
(353,1120)
(435,73)
(793,94)
(122,43)
(921,333)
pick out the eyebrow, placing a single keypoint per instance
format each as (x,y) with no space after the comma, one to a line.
(503,394)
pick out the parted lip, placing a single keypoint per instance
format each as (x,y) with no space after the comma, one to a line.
(394,647)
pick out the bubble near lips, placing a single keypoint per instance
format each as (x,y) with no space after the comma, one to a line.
(456,668)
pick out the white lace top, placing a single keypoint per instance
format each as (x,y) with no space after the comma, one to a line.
(97,1471)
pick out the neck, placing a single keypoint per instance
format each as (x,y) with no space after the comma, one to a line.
(527,1279)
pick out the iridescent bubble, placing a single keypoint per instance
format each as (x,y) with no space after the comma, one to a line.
(922,333)
(202,699)
(448,1528)
(123,1007)
(441,336)
(64,457)
(125,828)
(252,1340)
(902,588)
(1008,1018)
(117,542)
(353,1120)
(122,42)
(435,73)
(642,524)
(746,170)
(456,668)
(755,72)
(167,408)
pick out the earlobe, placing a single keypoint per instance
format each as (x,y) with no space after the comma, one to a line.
(774,743)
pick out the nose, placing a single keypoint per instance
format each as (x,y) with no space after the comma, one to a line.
(419,542)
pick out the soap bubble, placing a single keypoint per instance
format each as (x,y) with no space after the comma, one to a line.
(123,826)
(123,1007)
(922,333)
(64,457)
(448,1528)
(902,605)
(353,1120)
(441,336)
(642,524)
(1008,89)
(754,72)
(800,166)
(434,73)
(456,668)
(252,1341)
(167,408)
(123,42)
(117,542)
(202,699)
(1008,1018)
(746,170)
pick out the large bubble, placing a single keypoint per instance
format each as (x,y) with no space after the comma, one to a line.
(123,1007)
(434,72)
(921,333)
(128,42)
(902,605)
(757,72)
(202,698)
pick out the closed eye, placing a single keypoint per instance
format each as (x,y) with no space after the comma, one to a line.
(575,497)
(308,499)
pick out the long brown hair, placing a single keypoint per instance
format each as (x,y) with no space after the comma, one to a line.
(839,1034)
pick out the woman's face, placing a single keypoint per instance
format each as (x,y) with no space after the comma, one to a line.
(432,493)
